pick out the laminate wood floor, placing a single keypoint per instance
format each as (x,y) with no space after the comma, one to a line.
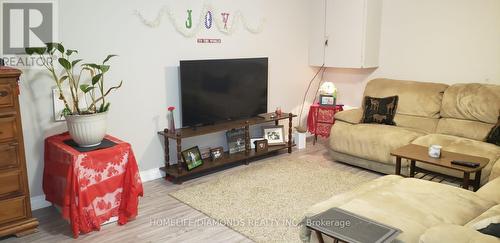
(155,206)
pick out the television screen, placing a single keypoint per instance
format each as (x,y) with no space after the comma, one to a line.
(220,90)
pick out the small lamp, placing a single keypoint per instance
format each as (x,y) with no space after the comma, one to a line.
(328,94)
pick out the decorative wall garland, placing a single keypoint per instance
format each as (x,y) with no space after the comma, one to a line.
(208,16)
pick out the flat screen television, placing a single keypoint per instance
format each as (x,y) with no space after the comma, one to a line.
(214,91)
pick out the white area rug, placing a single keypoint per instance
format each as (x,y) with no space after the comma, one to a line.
(266,200)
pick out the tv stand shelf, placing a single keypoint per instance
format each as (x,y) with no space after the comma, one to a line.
(179,173)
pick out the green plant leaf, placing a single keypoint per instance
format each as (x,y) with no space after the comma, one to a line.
(104,68)
(33,50)
(96,78)
(66,112)
(86,88)
(63,78)
(92,65)
(59,47)
(69,52)
(101,108)
(106,107)
(50,47)
(108,57)
(73,63)
(65,63)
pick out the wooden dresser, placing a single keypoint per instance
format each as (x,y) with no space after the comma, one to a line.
(15,208)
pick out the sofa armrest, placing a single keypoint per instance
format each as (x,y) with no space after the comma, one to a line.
(490,190)
(339,199)
(350,116)
(495,170)
(455,233)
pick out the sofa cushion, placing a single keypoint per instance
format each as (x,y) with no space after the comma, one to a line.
(352,116)
(490,191)
(464,128)
(414,205)
(415,98)
(460,145)
(495,170)
(417,122)
(476,102)
(340,199)
(494,134)
(370,141)
(425,124)
(456,234)
(492,215)
(345,197)
(379,110)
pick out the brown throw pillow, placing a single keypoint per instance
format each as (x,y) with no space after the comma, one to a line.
(379,110)
(494,135)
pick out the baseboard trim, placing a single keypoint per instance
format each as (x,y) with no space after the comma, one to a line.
(152,174)
(38,202)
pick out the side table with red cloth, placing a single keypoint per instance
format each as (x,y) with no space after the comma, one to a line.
(94,186)
(321,119)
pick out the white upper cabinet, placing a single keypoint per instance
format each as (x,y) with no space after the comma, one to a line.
(345,33)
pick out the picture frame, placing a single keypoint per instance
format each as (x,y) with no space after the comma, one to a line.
(205,152)
(216,153)
(236,140)
(192,157)
(261,146)
(252,141)
(327,100)
(275,135)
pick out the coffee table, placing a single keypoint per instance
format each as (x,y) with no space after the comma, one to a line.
(344,226)
(419,153)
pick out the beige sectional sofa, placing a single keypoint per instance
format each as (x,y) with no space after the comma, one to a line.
(458,117)
(426,212)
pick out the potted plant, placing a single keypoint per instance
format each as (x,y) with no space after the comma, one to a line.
(82,90)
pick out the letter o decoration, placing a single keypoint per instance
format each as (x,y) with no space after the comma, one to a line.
(208,20)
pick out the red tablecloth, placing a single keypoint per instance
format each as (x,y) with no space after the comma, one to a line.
(91,187)
(321,118)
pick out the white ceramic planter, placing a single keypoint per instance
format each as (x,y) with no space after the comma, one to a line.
(87,130)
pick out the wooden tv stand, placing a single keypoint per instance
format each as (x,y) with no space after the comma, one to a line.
(179,173)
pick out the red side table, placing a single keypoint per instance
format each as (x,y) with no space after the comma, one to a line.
(91,187)
(321,119)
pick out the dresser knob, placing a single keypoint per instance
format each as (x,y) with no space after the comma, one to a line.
(3,93)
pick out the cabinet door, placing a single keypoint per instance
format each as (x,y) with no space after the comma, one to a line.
(344,30)
(317,32)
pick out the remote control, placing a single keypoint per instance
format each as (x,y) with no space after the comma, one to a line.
(465,163)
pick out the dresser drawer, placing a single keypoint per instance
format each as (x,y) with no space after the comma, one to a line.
(9,156)
(8,128)
(10,183)
(6,95)
(12,209)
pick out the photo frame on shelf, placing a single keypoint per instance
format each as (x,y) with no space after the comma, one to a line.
(261,146)
(327,100)
(236,140)
(252,142)
(192,157)
(275,135)
(216,153)
(205,152)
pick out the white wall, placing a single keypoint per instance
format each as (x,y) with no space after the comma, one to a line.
(446,41)
(148,64)
(429,40)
